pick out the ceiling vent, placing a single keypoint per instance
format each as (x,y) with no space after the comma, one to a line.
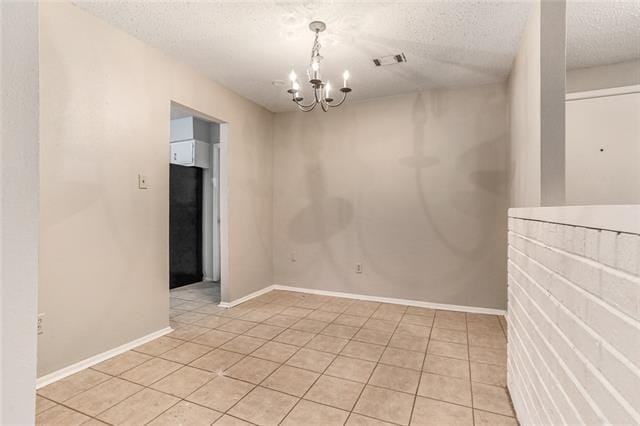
(390,60)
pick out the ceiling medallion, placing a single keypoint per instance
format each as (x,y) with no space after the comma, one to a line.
(321,89)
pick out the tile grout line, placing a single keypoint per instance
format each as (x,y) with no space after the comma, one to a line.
(424,360)
(466,326)
(67,407)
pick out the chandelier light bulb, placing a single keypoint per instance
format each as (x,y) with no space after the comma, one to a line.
(315,67)
(292,76)
(296,86)
(345,77)
(327,90)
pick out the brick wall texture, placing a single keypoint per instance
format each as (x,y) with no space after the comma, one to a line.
(573,324)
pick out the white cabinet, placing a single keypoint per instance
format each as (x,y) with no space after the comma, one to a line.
(182,153)
(191,153)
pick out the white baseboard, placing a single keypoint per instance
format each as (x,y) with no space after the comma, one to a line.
(247,297)
(78,366)
(418,303)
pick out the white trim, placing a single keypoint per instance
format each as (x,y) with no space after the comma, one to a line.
(619,218)
(215,199)
(418,303)
(247,297)
(223,176)
(394,301)
(78,366)
(601,93)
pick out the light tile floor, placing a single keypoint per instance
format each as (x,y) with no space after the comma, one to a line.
(202,292)
(296,359)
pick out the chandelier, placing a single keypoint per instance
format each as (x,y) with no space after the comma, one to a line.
(321,89)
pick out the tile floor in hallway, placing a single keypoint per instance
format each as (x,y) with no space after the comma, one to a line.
(203,292)
(297,359)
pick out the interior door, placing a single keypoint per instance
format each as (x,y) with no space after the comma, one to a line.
(185,225)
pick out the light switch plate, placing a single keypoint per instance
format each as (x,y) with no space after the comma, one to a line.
(143,181)
(40,324)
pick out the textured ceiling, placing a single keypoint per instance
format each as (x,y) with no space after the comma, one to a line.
(248,45)
(602,32)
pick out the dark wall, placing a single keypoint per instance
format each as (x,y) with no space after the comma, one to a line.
(185,225)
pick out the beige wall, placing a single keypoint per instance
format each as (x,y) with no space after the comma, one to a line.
(603,77)
(104,244)
(524,92)
(413,187)
(553,72)
(537,89)
(19,195)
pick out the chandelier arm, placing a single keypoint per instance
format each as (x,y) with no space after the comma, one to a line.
(315,93)
(307,108)
(303,105)
(344,98)
(323,101)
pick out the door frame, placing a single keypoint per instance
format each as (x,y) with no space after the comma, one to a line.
(215,229)
(223,196)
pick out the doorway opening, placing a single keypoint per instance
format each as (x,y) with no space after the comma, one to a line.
(194,208)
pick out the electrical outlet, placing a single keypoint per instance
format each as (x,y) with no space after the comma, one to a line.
(292,256)
(143,181)
(40,324)
(358,268)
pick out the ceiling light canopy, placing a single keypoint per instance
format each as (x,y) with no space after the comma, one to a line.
(321,88)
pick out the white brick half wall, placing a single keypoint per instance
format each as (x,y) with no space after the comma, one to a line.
(573,315)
